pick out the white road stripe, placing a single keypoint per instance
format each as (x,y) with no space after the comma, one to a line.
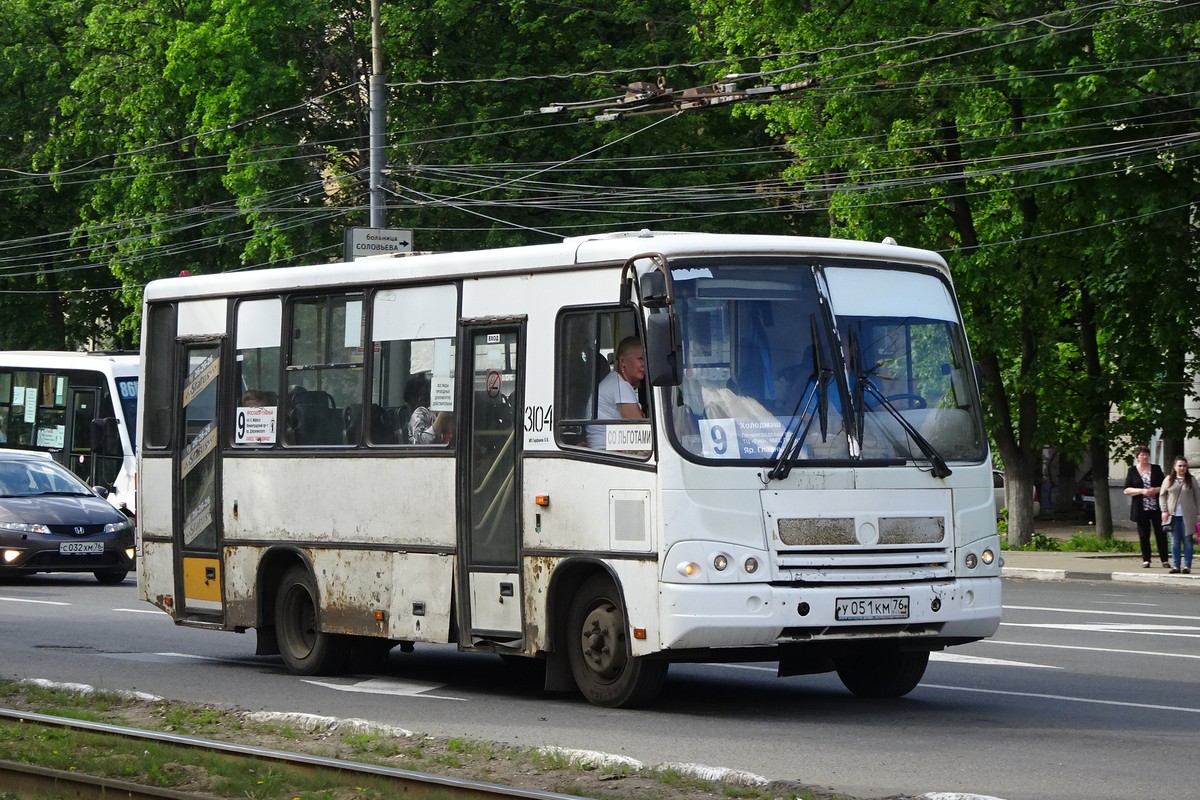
(144,611)
(1092,649)
(958,658)
(391,687)
(1099,627)
(1064,698)
(1139,614)
(39,602)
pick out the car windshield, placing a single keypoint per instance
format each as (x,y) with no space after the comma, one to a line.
(35,478)
(797,360)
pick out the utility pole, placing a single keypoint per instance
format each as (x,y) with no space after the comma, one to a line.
(377,104)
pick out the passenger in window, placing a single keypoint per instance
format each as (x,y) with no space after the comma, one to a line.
(425,426)
(617,394)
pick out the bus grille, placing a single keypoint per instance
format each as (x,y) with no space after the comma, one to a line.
(864,565)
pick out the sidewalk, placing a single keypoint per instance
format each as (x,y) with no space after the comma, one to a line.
(1051,565)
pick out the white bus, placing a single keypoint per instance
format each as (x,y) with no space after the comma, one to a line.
(80,408)
(395,450)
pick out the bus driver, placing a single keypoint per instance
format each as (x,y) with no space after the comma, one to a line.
(617,394)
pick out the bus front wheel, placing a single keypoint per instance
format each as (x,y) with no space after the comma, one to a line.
(598,650)
(883,673)
(305,650)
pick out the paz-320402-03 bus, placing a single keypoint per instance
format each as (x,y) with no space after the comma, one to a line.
(347,457)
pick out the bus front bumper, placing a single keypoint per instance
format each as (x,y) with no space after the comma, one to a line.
(760,615)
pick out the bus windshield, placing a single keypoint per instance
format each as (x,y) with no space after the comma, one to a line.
(127,390)
(805,361)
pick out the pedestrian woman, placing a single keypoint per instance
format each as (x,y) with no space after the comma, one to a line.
(1142,487)
(1180,502)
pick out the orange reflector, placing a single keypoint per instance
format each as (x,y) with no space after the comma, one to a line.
(639,633)
(542,500)
(380,614)
(168,601)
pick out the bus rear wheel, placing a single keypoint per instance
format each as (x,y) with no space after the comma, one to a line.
(598,650)
(883,673)
(305,649)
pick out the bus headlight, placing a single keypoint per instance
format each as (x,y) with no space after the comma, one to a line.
(988,557)
(751,565)
(720,562)
(971,561)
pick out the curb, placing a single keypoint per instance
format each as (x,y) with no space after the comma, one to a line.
(1040,574)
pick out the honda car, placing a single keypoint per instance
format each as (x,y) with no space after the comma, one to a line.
(50,521)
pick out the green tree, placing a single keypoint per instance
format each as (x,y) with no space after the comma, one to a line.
(472,166)
(48,299)
(1014,140)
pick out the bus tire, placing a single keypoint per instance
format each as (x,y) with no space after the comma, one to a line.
(305,649)
(110,577)
(598,650)
(883,673)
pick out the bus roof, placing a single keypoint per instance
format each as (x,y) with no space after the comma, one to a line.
(577,252)
(122,363)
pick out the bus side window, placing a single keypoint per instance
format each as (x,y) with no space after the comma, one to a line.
(413,350)
(259,372)
(324,368)
(160,388)
(586,351)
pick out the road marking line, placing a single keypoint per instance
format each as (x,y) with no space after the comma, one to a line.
(39,602)
(1099,627)
(959,658)
(1092,649)
(143,611)
(391,687)
(945,657)
(1064,698)
(1098,611)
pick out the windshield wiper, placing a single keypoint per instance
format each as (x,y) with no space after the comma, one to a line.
(789,447)
(938,468)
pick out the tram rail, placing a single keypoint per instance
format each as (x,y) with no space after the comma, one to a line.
(30,778)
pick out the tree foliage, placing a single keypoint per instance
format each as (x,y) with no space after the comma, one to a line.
(1047,152)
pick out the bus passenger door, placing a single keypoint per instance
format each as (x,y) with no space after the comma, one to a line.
(197,520)
(489,485)
(82,403)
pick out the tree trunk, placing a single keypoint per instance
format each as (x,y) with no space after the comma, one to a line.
(1096,401)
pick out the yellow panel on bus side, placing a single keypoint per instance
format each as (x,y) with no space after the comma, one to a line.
(201,584)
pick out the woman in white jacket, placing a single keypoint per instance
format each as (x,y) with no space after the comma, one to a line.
(1180,503)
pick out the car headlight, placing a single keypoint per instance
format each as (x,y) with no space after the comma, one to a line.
(26,527)
(123,525)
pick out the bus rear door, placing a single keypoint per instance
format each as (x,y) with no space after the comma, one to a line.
(489,485)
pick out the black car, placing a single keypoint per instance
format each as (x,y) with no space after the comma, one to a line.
(50,521)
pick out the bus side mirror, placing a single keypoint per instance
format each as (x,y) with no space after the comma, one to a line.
(662,350)
(106,440)
(653,289)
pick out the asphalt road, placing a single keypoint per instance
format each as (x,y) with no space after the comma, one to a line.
(1090,690)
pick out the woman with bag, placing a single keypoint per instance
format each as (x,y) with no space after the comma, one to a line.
(1142,487)
(1180,503)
